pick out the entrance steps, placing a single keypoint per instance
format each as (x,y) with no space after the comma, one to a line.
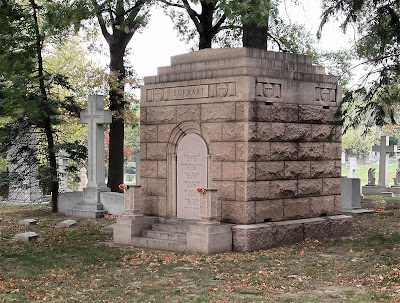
(167,235)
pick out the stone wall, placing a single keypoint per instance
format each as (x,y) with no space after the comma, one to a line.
(267,118)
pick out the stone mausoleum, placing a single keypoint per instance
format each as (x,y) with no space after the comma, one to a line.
(256,125)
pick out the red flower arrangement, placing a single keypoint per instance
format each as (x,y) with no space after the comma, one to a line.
(201,190)
(123,186)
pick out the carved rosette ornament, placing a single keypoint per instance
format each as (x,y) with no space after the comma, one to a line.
(208,206)
(132,201)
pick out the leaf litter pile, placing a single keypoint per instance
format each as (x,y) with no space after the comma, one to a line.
(81,264)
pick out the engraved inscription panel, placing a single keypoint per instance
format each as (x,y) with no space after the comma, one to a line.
(227,89)
(191,174)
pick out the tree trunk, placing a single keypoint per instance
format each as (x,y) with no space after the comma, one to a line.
(206,30)
(254,36)
(116,147)
(47,122)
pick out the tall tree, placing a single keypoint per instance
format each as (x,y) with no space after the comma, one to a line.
(119,20)
(27,98)
(377,24)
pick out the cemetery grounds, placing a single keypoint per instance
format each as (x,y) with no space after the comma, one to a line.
(81,264)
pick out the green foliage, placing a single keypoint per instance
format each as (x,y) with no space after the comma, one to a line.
(355,142)
(377,23)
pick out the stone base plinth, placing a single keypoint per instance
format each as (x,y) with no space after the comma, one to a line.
(128,227)
(378,190)
(86,210)
(209,239)
(268,235)
(392,204)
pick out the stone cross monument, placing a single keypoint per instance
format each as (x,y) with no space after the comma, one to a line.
(95,116)
(384,149)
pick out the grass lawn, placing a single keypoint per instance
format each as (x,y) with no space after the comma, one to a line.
(81,264)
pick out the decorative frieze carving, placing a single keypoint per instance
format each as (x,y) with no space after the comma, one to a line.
(226,89)
(268,90)
(325,94)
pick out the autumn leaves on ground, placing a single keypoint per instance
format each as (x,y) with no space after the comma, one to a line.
(81,264)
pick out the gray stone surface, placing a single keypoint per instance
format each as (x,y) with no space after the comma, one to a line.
(384,149)
(387,194)
(351,199)
(378,190)
(113,203)
(369,203)
(392,204)
(208,239)
(27,222)
(26,237)
(127,228)
(66,223)
(268,235)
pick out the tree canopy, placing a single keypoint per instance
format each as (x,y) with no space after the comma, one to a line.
(377,23)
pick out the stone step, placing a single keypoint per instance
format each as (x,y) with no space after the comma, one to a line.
(159,244)
(177,228)
(164,235)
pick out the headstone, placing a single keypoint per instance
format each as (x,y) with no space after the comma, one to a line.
(27,222)
(353,167)
(396,179)
(22,162)
(83,179)
(371,177)
(384,149)
(66,223)
(62,171)
(192,173)
(26,237)
(351,199)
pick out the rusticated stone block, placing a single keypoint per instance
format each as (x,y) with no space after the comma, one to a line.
(323,205)
(253,191)
(269,210)
(338,205)
(285,112)
(252,237)
(149,205)
(143,151)
(287,233)
(212,131)
(332,151)
(157,186)
(223,151)
(283,189)
(311,114)
(270,170)
(226,190)
(323,132)
(240,171)
(162,169)
(316,228)
(338,134)
(309,187)
(263,112)
(310,151)
(188,113)
(329,115)
(156,151)
(284,151)
(267,131)
(297,169)
(148,133)
(253,151)
(341,226)
(164,132)
(143,115)
(218,112)
(297,208)
(161,114)
(331,186)
(216,170)
(239,131)
(297,132)
(148,169)
(238,212)
(327,169)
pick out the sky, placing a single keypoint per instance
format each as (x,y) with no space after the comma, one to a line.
(159,41)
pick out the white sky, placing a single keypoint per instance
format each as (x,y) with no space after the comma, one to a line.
(159,41)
